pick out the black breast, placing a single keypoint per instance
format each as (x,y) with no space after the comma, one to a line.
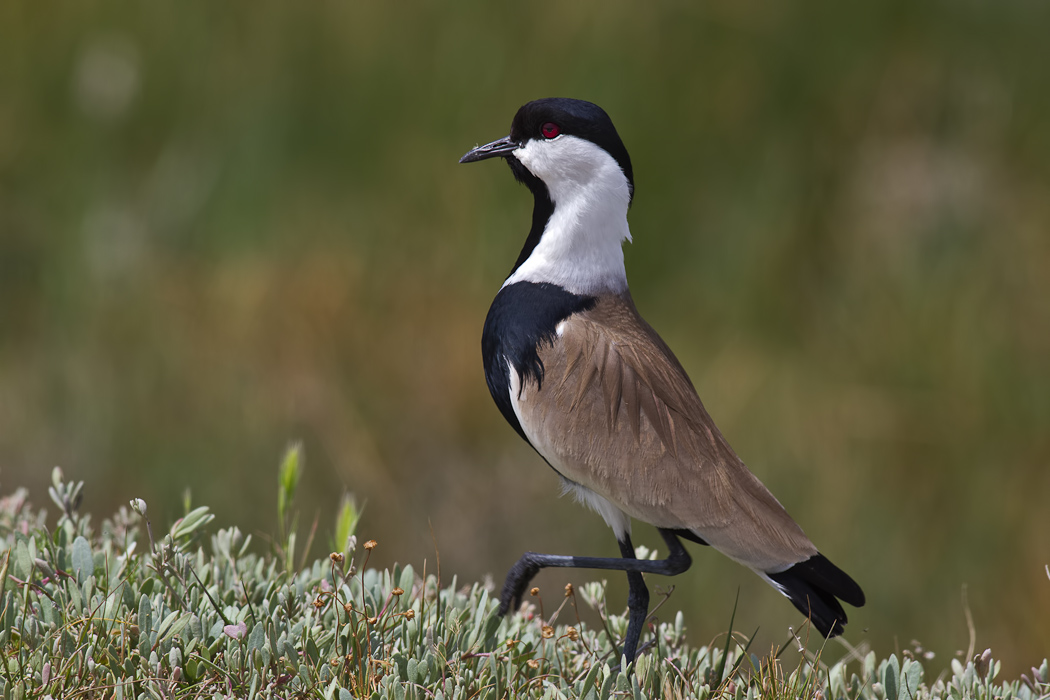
(522,316)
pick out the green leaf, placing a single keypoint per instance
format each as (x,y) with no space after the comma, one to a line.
(413,672)
(112,605)
(272,638)
(196,628)
(891,673)
(589,681)
(257,638)
(289,553)
(69,644)
(869,666)
(607,685)
(82,560)
(491,628)
(911,675)
(145,617)
(173,624)
(346,521)
(408,578)
(185,527)
(289,473)
(48,613)
(312,652)
(75,598)
(23,561)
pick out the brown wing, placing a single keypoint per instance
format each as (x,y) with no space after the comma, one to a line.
(617,414)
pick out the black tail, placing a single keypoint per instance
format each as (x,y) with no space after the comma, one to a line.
(814,585)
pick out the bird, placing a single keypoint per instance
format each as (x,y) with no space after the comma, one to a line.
(591,386)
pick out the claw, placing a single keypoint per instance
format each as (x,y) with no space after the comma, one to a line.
(518,579)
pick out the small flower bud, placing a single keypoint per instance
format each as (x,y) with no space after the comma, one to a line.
(548,631)
(348,608)
(45,569)
(534,592)
(568,590)
(398,591)
(236,631)
(572,633)
(982,662)
(533,663)
(336,557)
(410,614)
(511,643)
(139,506)
(370,545)
(319,603)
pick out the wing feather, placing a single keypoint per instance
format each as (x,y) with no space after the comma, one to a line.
(611,378)
(623,419)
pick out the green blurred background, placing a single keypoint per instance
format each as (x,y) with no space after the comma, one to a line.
(228,226)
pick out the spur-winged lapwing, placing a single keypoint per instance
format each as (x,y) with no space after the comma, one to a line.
(590,385)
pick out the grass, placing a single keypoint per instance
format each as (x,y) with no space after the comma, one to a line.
(255,212)
(113,611)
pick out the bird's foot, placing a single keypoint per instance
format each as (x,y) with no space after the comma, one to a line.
(518,579)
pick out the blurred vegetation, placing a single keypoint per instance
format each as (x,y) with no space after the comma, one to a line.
(227,227)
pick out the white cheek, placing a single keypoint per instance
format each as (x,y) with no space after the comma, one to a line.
(581,247)
(530,156)
(561,159)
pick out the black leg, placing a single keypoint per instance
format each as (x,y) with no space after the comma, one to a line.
(637,602)
(677,561)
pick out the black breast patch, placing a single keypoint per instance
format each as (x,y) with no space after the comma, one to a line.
(522,316)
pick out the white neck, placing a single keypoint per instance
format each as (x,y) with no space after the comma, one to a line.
(581,248)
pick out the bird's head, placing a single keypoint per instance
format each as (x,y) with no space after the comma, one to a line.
(567,146)
(567,152)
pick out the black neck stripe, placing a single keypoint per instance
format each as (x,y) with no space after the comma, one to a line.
(542,209)
(523,317)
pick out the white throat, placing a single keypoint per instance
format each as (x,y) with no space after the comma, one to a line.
(581,248)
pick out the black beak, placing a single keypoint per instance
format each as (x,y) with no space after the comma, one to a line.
(500,148)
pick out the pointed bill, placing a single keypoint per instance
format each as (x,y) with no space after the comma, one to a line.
(501,148)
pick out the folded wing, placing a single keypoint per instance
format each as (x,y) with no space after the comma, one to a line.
(617,414)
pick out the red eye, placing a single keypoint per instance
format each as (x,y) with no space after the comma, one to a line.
(550,130)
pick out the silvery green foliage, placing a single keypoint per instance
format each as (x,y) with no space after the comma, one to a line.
(115,614)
